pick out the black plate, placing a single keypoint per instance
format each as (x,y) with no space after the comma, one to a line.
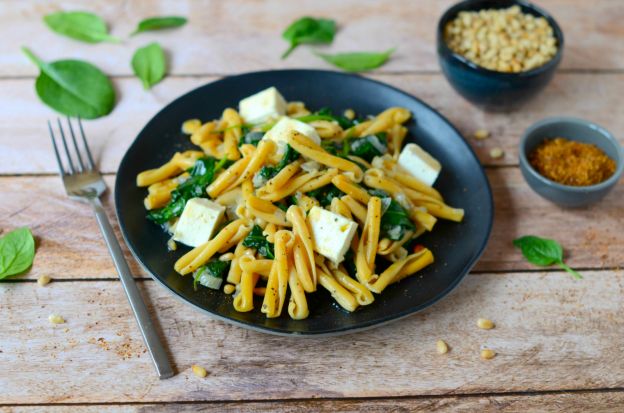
(462,182)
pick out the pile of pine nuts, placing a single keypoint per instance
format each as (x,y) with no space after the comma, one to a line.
(504,40)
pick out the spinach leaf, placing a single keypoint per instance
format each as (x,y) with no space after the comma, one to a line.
(202,174)
(395,221)
(148,64)
(290,156)
(325,194)
(344,122)
(255,239)
(252,138)
(73,87)
(17,251)
(543,252)
(357,61)
(369,146)
(308,30)
(211,274)
(159,23)
(79,25)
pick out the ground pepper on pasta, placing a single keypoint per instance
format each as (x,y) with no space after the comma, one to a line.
(278,200)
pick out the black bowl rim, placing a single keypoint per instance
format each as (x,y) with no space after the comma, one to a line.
(337,331)
(444,49)
(560,120)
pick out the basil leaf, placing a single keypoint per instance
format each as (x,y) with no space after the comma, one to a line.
(256,239)
(543,252)
(308,30)
(80,25)
(202,174)
(395,221)
(357,61)
(325,194)
(73,87)
(17,251)
(159,23)
(148,64)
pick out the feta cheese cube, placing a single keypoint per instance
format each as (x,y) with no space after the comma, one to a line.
(262,107)
(332,233)
(419,164)
(280,131)
(198,221)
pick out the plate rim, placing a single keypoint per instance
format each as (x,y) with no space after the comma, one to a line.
(333,331)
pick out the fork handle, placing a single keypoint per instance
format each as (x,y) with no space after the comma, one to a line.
(152,341)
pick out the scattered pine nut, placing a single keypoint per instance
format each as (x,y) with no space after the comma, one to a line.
(43,280)
(229,289)
(441,347)
(485,324)
(56,319)
(481,134)
(496,153)
(171,245)
(487,354)
(349,114)
(199,371)
(190,126)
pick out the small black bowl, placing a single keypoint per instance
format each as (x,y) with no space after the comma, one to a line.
(490,89)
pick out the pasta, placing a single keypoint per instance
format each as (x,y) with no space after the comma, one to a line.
(328,204)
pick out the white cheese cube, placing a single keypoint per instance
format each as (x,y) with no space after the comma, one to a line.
(262,107)
(419,164)
(280,131)
(198,221)
(332,233)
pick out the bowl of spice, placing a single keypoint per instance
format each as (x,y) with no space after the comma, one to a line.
(570,161)
(498,53)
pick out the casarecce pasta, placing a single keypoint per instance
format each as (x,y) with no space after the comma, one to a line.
(279,201)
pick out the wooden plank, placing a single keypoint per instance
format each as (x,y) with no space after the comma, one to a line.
(597,402)
(23,118)
(245,35)
(70,244)
(552,333)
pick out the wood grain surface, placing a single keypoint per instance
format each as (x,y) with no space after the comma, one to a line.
(593,97)
(596,402)
(549,329)
(559,341)
(245,35)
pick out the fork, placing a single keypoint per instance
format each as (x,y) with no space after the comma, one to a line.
(84,182)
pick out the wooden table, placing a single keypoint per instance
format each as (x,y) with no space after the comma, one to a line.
(559,341)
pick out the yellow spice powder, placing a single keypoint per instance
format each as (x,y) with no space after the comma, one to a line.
(571,163)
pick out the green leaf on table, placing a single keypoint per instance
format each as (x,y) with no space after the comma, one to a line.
(309,30)
(17,251)
(357,61)
(79,25)
(159,23)
(256,239)
(73,87)
(543,252)
(148,64)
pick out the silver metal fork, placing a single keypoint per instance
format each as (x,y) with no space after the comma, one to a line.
(84,182)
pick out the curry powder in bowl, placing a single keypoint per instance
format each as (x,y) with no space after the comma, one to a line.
(573,163)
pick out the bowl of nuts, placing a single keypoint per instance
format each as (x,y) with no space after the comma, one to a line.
(498,53)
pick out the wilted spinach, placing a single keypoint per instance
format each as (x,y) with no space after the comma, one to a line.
(395,220)
(202,174)
(255,239)
(325,194)
(369,146)
(290,155)
(211,274)
(252,138)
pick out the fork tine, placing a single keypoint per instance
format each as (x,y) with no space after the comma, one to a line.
(86,145)
(71,132)
(69,158)
(56,152)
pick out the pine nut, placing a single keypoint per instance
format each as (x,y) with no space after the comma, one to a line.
(441,347)
(481,134)
(56,319)
(199,371)
(485,324)
(43,280)
(496,153)
(487,354)
(229,289)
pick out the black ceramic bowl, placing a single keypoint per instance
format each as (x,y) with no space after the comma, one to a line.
(462,182)
(578,130)
(486,88)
